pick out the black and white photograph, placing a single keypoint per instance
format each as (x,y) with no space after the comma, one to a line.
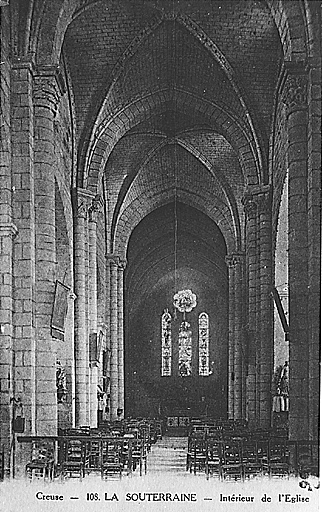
(160,255)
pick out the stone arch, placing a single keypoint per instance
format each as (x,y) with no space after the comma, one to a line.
(48,30)
(105,138)
(221,180)
(208,45)
(231,201)
(146,203)
(291,27)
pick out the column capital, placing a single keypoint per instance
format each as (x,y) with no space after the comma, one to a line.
(122,264)
(48,88)
(249,204)
(95,208)
(295,87)
(8,229)
(81,199)
(257,198)
(113,259)
(116,260)
(234,259)
(82,210)
(263,202)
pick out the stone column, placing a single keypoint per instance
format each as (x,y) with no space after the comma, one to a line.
(314,242)
(108,323)
(46,96)
(71,300)
(266,348)
(231,334)
(238,333)
(87,321)
(24,269)
(251,269)
(295,97)
(81,346)
(92,314)
(120,335)
(114,337)
(7,232)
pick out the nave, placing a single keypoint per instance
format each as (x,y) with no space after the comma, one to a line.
(160,243)
(224,449)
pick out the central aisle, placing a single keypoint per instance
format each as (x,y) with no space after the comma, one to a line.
(168,456)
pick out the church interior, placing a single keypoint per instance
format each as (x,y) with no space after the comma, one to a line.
(160,168)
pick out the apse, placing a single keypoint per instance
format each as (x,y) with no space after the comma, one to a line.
(175,248)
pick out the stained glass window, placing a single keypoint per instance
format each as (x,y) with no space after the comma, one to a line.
(203,344)
(185,349)
(166,344)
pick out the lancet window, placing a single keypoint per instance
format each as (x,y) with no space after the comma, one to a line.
(166,344)
(203,344)
(185,349)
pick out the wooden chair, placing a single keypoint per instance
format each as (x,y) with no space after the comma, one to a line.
(196,434)
(126,454)
(198,451)
(278,459)
(232,467)
(111,458)
(138,455)
(213,464)
(263,454)
(41,465)
(252,464)
(93,456)
(307,458)
(74,458)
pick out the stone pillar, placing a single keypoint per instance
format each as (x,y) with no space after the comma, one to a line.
(244,338)
(71,300)
(295,97)
(251,269)
(92,313)
(231,334)
(238,333)
(24,269)
(46,96)
(120,335)
(314,242)
(81,345)
(114,337)
(266,330)
(87,320)
(7,232)
(108,329)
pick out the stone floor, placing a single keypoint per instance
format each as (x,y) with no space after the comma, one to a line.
(168,456)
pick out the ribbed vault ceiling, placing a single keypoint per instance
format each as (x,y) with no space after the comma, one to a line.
(223,57)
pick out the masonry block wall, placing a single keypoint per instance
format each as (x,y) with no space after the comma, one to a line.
(7,233)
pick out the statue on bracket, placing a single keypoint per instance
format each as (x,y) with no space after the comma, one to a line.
(61,383)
